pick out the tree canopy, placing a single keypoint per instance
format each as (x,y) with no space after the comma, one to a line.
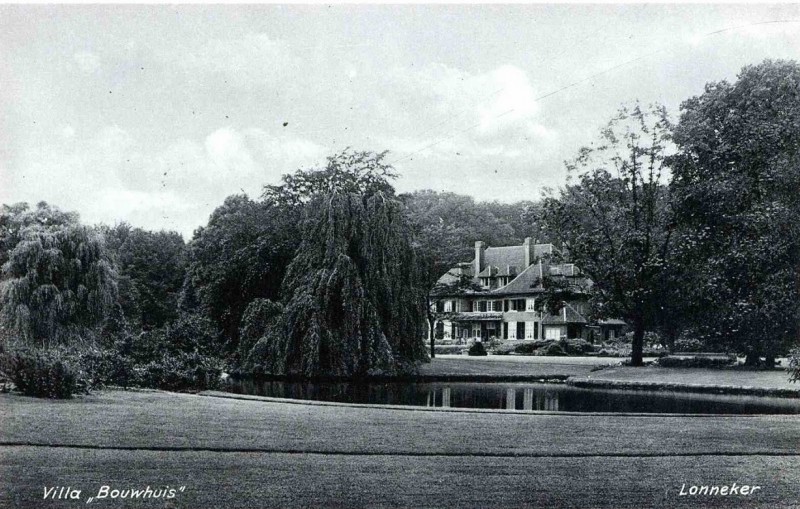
(736,182)
(58,283)
(614,218)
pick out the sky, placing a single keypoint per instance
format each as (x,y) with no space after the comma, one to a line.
(153,114)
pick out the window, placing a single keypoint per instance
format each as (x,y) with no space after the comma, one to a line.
(529,329)
(530,304)
(448,306)
(482,306)
(535,330)
(518,304)
(552,333)
(505,330)
(439,306)
(520,330)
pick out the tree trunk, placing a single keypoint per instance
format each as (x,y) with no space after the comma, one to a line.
(752,359)
(638,343)
(432,325)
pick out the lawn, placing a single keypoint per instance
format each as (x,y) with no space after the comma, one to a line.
(518,365)
(582,368)
(238,453)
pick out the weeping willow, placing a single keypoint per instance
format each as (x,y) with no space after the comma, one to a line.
(353,301)
(57,286)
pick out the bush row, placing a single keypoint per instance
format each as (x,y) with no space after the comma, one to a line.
(177,357)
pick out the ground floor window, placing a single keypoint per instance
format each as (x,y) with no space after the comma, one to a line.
(552,333)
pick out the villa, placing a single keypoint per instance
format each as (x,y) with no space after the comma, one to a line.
(501,300)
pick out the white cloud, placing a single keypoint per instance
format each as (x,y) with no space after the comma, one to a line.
(246,61)
(112,177)
(86,61)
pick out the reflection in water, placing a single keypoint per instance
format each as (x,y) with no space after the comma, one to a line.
(517,396)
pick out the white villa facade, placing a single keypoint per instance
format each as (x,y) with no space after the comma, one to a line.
(511,279)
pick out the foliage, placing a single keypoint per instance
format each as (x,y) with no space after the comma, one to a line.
(58,283)
(151,268)
(450,349)
(181,355)
(477,349)
(17,218)
(260,315)
(554,349)
(794,365)
(353,303)
(181,371)
(43,373)
(445,228)
(241,255)
(615,220)
(736,181)
(670,361)
(347,172)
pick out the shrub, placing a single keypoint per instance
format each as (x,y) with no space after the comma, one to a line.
(670,361)
(449,349)
(687,343)
(577,346)
(554,349)
(794,365)
(42,373)
(477,349)
(102,367)
(181,371)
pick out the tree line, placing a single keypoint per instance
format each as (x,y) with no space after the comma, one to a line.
(685,228)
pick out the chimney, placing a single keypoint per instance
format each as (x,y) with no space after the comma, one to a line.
(528,248)
(480,247)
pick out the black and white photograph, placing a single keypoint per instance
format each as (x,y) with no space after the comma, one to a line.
(412,255)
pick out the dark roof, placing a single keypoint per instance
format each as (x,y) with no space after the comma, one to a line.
(507,270)
(488,271)
(502,256)
(526,282)
(572,316)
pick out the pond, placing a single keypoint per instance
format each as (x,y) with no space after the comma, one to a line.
(516,396)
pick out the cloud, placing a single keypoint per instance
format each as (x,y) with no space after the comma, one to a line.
(86,61)
(246,61)
(112,176)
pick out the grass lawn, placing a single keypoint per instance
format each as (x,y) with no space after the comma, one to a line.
(236,453)
(766,379)
(517,365)
(581,367)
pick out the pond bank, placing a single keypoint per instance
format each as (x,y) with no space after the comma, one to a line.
(606,373)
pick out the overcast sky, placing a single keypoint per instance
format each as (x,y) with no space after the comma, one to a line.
(154,114)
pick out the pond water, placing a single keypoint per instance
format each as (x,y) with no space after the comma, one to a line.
(517,396)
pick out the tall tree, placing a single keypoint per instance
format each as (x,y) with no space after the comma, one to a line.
(58,283)
(241,255)
(151,268)
(354,306)
(615,219)
(736,180)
